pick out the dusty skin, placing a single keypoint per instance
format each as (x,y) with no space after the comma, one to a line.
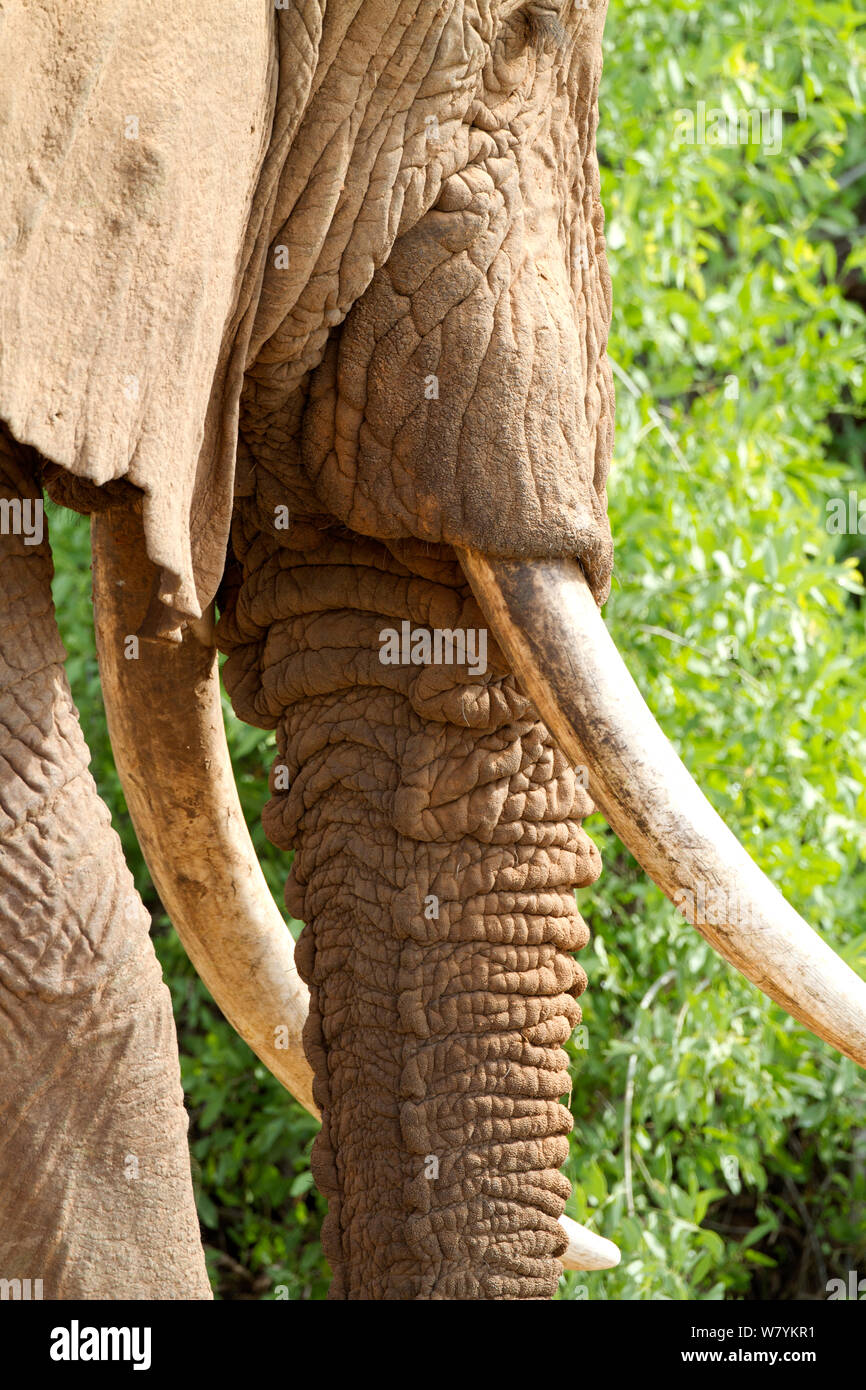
(308,306)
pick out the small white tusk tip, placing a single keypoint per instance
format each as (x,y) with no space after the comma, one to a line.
(586,1250)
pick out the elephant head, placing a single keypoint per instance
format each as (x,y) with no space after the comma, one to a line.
(310,310)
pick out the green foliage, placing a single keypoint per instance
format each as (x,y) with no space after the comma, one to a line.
(740,389)
(739,350)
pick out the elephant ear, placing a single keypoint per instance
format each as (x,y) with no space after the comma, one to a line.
(132,146)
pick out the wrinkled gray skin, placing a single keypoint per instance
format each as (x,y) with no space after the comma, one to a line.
(345,258)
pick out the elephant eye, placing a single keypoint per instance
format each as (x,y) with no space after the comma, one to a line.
(543,29)
(531,35)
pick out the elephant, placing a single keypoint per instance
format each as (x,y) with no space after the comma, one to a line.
(307,308)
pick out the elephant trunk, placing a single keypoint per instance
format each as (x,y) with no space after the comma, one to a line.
(437,843)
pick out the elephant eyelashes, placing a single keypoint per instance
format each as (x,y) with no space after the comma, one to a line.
(535,28)
(545,31)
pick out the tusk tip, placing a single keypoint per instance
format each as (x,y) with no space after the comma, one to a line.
(586,1250)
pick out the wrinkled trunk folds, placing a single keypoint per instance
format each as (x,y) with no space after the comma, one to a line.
(437,843)
(96,1195)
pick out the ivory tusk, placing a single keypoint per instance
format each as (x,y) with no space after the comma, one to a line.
(586,1250)
(546,621)
(165,720)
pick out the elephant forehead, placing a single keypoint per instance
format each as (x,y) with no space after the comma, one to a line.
(384,73)
(404,96)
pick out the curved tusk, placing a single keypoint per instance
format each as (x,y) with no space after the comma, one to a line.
(546,621)
(165,720)
(586,1250)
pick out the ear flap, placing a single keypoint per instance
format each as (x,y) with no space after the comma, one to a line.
(132,140)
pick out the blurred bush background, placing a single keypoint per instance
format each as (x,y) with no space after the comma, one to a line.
(716,1141)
